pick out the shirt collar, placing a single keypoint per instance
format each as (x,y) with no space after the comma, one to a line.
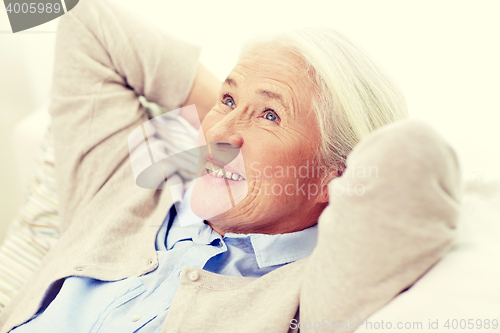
(281,249)
(269,250)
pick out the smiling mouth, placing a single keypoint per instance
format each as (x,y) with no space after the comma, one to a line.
(219,172)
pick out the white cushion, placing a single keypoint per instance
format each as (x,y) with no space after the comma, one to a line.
(465,284)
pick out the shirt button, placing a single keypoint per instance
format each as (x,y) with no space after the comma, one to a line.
(221,244)
(194,276)
(136,318)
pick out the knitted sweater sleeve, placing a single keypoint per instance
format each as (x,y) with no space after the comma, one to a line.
(391,216)
(105,59)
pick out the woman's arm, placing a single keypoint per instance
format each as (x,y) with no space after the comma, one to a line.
(204,95)
(391,217)
(105,59)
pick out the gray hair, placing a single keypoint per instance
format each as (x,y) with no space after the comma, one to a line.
(355,97)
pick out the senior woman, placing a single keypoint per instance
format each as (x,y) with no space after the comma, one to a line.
(263,263)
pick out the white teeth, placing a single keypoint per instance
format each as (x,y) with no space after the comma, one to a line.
(208,166)
(219,172)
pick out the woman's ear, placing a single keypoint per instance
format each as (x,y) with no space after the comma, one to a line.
(331,174)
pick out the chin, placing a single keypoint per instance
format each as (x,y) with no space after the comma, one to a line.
(213,196)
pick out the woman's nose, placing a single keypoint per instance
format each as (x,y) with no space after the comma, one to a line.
(228,130)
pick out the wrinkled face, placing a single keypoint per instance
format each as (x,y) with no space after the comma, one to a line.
(273,185)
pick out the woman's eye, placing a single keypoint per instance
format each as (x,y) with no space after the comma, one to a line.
(270,115)
(228,100)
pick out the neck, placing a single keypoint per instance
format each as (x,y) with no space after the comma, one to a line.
(290,224)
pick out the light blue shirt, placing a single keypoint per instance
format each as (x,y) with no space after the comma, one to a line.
(140,303)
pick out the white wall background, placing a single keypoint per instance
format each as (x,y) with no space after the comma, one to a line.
(443,54)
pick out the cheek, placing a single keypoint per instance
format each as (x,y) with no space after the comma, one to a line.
(285,176)
(267,157)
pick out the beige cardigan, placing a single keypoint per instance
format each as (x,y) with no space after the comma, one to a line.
(370,247)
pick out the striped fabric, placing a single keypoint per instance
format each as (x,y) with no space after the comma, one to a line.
(36,228)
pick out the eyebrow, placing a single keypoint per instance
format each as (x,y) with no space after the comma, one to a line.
(266,93)
(273,95)
(231,82)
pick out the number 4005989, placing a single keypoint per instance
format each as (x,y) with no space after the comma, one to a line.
(33,8)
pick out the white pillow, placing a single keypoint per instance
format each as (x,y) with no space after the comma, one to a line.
(461,293)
